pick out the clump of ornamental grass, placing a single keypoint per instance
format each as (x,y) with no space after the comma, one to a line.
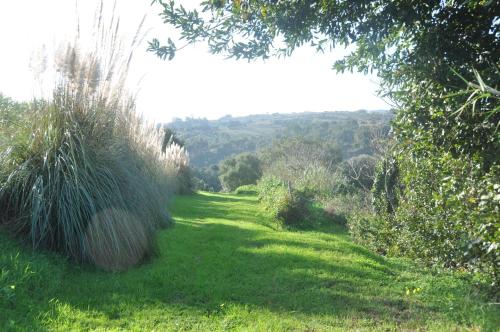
(88,179)
(177,165)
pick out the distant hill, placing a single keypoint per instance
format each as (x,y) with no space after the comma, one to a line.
(210,141)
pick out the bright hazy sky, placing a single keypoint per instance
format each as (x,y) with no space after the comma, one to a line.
(195,83)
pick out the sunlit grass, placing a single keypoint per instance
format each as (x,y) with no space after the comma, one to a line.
(222,267)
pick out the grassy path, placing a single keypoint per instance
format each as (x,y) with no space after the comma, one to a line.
(222,268)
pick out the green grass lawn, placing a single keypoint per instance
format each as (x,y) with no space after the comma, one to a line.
(223,268)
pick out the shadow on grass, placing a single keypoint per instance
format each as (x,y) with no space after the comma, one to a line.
(204,264)
(202,207)
(212,265)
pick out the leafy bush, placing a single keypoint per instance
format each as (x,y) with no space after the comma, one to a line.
(341,207)
(341,185)
(450,218)
(248,189)
(86,176)
(207,178)
(316,183)
(12,120)
(360,171)
(307,165)
(287,206)
(371,230)
(240,170)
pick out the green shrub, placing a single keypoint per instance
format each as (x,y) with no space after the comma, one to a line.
(315,181)
(248,189)
(207,178)
(287,206)
(340,208)
(240,170)
(360,171)
(441,209)
(371,230)
(341,186)
(307,165)
(88,179)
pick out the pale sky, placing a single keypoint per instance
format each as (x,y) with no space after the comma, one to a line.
(196,83)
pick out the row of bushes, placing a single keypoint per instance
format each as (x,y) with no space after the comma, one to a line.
(400,205)
(438,219)
(300,176)
(423,211)
(312,167)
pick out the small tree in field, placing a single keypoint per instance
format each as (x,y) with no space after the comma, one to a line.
(240,170)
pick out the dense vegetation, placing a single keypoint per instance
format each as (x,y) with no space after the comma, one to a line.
(210,142)
(243,169)
(437,189)
(223,268)
(84,179)
(71,165)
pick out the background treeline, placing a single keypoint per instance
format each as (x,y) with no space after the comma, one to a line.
(211,141)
